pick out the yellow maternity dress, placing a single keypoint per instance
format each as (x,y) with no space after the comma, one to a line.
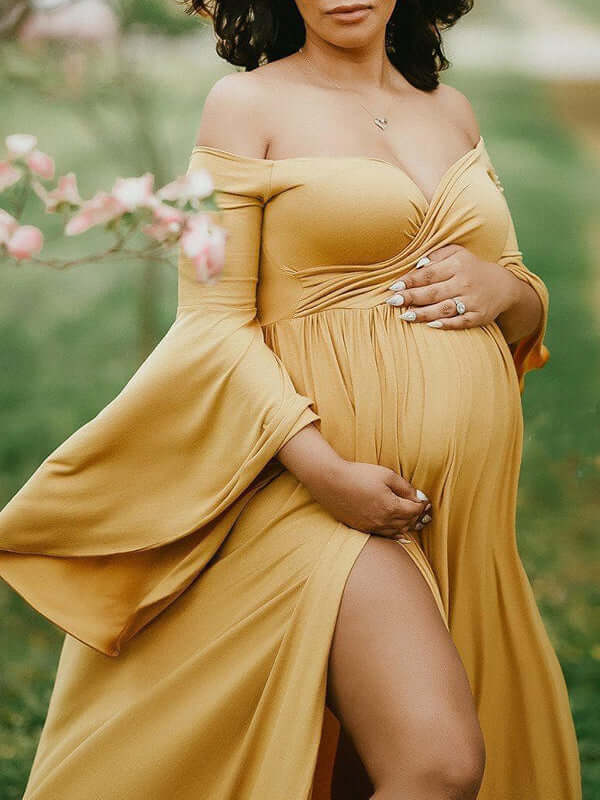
(197,580)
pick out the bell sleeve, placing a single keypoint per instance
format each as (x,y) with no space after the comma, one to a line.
(119,520)
(530,351)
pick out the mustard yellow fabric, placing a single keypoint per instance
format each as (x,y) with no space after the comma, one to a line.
(196,579)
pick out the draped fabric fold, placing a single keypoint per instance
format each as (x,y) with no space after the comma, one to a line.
(170,463)
(529,352)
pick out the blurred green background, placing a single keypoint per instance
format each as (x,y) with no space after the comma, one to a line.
(71,339)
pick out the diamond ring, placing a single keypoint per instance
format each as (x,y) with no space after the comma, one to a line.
(460,306)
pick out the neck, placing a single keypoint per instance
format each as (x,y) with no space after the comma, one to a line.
(362,68)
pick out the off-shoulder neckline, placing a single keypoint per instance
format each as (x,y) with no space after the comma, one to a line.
(271,161)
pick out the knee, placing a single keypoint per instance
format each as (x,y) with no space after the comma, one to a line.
(455,771)
(446,766)
(459,777)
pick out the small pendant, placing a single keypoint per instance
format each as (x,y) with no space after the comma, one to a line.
(381,122)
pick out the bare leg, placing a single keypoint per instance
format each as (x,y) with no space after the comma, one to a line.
(398,687)
(350,780)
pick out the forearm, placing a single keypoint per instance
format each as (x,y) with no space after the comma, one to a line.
(310,457)
(523,313)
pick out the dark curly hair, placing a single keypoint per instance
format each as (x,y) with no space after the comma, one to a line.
(253,32)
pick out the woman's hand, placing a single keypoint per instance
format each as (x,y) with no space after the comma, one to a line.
(368,497)
(426,293)
(371,498)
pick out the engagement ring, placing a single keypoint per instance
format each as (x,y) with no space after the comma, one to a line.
(460,306)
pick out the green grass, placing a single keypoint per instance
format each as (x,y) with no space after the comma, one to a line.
(70,342)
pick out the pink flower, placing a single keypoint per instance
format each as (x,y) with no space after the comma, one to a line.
(195,236)
(25,242)
(166,213)
(132,193)
(8,225)
(20,145)
(40,164)
(216,251)
(66,192)
(195,184)
(168,222)
(8,175)
(162,232)
(102,208)
(204,245)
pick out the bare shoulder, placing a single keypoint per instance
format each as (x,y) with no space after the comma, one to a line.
(457,107)
(233,116)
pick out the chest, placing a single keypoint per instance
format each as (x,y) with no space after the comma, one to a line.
(361,211)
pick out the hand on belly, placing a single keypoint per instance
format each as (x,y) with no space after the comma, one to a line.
(452,288)
(371,498)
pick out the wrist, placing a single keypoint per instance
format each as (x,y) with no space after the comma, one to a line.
(310,457)
(512,292)
(325,473)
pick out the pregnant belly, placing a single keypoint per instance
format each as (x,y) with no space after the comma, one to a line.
(424,402)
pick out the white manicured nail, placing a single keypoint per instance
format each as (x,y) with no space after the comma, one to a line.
(395,300)
(409,316)
(398,285)
(422,262)
(425,519)
(421,495)
(436,323)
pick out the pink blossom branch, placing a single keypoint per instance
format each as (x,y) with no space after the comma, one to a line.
(175,214)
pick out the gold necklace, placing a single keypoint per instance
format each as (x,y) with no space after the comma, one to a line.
(381,122)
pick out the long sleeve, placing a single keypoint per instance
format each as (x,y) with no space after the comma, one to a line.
(529,352)
(118,521)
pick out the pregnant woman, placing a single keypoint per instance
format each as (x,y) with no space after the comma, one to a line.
(284,556)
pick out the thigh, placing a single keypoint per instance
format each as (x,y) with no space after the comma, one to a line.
(395,681)
(349,780)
